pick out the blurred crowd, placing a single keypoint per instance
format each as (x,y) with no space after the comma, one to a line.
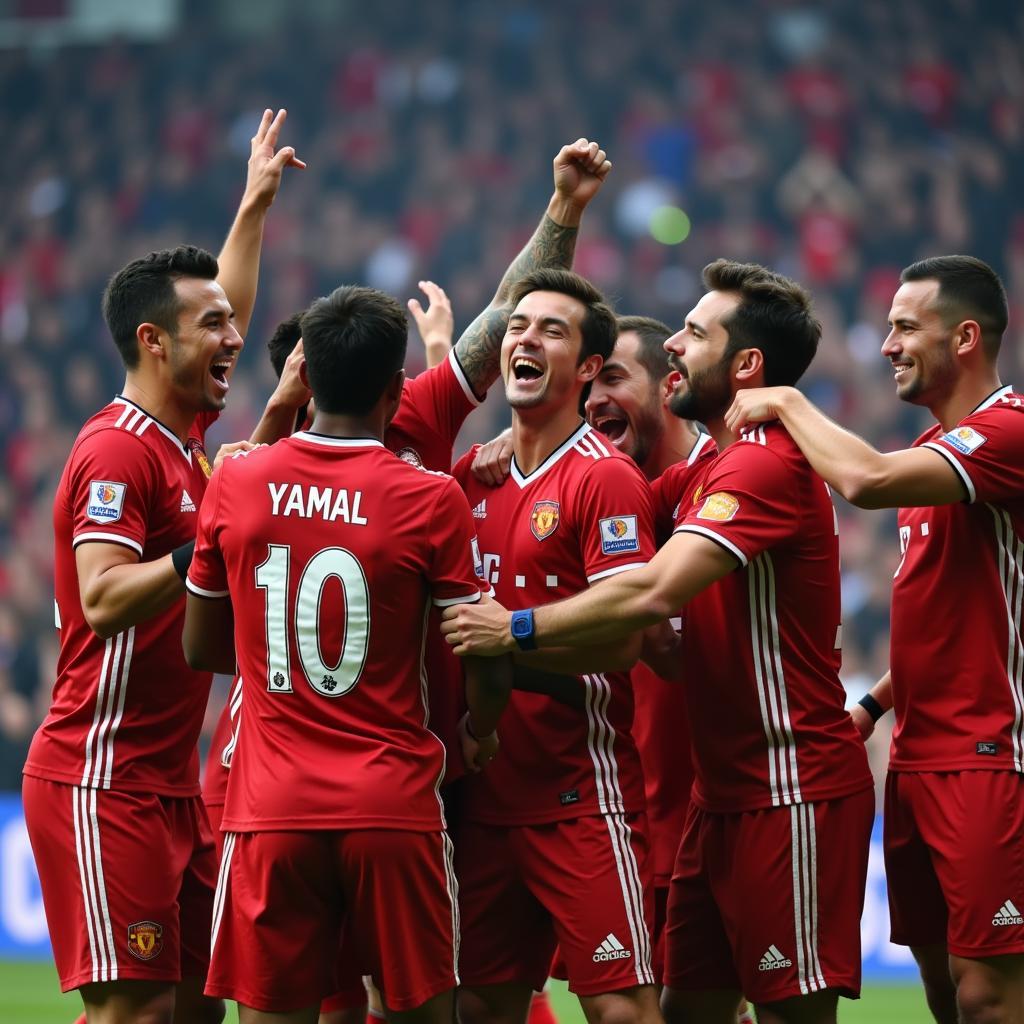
(835,142)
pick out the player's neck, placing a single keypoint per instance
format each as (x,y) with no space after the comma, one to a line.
(675,445)
(721,433)
(537,433)
(159,402)
(334,424)
(970,391)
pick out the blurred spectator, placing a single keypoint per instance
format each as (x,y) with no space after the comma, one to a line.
(834,142)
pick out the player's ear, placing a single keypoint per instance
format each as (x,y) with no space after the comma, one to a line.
(589,368)
(304,375)
(967,337)
(669,383)
(151,338)
(394,388)
(748,367)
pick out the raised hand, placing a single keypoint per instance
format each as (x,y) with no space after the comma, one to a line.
(580,170)
(435,323)
(482,628)
(265,165)
(754,405)
(493,461)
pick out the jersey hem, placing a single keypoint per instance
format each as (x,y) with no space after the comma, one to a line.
(116,786)
(812,796)
(568,814)
(929,767)
(329,824)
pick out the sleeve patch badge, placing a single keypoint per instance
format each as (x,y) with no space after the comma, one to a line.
(965,440)
(478,562)
(619,533)
(544,519)
(719,507)
(106,501)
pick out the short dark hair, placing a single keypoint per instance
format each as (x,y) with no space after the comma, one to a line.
(283,341)
(143,292)
(354,342)
(651,351)
(774,315)
(969,289)
(598,329)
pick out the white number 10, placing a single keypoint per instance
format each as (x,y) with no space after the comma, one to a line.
(273,577)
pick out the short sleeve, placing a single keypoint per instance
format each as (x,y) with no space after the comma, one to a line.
(112,489)
(207,575)
(436,402)
(747,502)
(987,452)
(456,571)
(614,519)
(462,469)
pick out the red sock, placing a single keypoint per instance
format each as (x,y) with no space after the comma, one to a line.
(540,1010)
(374,1016)
(81,1020)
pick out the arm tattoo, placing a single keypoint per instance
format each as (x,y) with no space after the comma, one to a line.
(552,245)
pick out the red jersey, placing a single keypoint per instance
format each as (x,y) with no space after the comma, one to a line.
(957,653)
(434,406)
(126,712)
(330,587)
(761,646)
(584,514)
(661,728)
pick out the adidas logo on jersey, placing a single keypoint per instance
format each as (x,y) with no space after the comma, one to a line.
(187,504)
(1007,915)
(773,960)
(611,949)
(480,511)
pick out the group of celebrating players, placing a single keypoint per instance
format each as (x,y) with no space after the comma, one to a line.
(637,588)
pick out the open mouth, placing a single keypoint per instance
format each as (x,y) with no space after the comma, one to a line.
(899,369)
(526,369)
(219,372)
(613,427)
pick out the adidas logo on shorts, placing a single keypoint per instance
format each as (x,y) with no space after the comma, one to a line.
(611,949)
(1007,915)
(773,960)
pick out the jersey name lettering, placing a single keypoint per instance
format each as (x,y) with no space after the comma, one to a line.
(313,502)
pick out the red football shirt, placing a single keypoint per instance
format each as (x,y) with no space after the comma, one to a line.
(957,653)
(761,647)
(126,712)
(584,514)
(332,551)
(434,407)
(661,728)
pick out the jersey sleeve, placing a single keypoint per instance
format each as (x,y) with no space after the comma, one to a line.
(666,500)
(456,570)
(747,503)
(437,400)
(111,490)
(207,575)
(987,452)
(614,519)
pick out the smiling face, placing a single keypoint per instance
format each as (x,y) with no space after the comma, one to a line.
(204,347)
(920,346)
(625,402)
(541,350)
(698,353)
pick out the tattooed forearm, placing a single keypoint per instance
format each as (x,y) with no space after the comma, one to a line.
(552,245)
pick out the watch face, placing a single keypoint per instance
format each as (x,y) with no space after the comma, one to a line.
(520,627)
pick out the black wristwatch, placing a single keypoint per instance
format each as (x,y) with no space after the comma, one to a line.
(522,629)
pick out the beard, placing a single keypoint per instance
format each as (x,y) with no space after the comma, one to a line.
(929,381)
(707,396)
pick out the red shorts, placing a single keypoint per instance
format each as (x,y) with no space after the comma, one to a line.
(580,884)
(954,860)
(127,881)
(768,902)
(284,898)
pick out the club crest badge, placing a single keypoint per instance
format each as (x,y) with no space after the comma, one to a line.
(145,939)
(195,446)
(544,520)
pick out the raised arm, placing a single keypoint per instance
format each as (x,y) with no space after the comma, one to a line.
(579,169)
(863,475)
(240,257)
